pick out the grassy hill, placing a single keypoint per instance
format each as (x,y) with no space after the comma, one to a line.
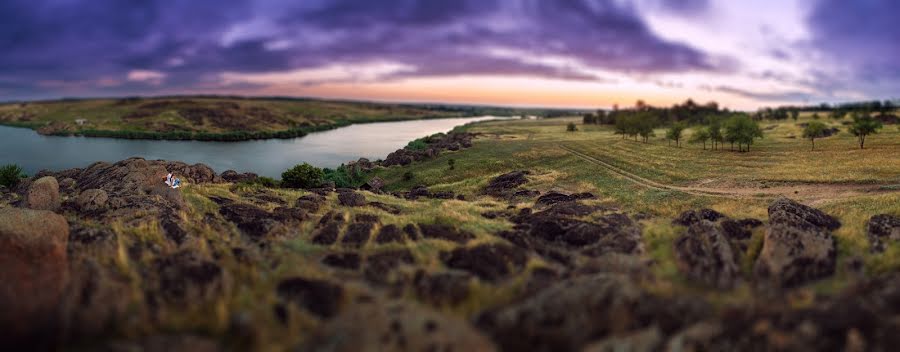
(252,266)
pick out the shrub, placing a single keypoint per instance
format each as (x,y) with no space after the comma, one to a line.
(864,125)
(571,127)
(10,175)
(419,144)
(345,177)
(451,163)
(408,176)
(302,176)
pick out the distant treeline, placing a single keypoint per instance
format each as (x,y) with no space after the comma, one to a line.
(885,107)
(688,112)
(233,136)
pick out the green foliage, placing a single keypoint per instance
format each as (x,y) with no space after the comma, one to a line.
(701,135)
(675,131)
(864,125)
(741,129)
(408,176)
(11,175)
(815,116)
(418,144)
(813,130)
(302,176)
(345,177)
(571,127)
(451,163)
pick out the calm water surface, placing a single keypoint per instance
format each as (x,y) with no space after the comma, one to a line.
(266,157)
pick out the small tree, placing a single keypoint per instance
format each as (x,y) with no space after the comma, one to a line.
(451,163)
(815,116)
(302,176)
(795,114)
(571,127)
(864,125)
(701,135)
(11,175)
(741,129)
(813,130)
(674,133)
(715,133)
(408,176)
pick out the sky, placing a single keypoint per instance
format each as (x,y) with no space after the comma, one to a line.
(552,53)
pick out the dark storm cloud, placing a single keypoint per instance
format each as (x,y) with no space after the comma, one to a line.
(91,44)
(863,37)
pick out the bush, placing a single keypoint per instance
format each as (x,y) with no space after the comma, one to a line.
(10,175)
(344,177)
(419,144)
(571,127)
(452,163)
(408,176)
(302,176)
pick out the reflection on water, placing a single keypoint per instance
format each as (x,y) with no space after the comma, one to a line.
(266,157)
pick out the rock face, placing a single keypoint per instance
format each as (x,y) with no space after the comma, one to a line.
(92,200)
(43,194)
(704,255)
(882,229)
(235,177)
(33,272)
(395,326)
(435,144)
(798,246)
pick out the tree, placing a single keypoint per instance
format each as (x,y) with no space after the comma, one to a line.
(741,129)
(795,114)
(837,114)
(864,125)
(715,133)
(621,126)
(815,116)
(302,176)
(571,127)
(701,135)
(674,133)
(813,130)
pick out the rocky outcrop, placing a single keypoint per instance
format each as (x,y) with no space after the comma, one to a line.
(691,217)
(235,177)
(92,200)
(705,256)
(798,246)
(434,145)
(881,230)
(33,272)
(43,194)
(396,326)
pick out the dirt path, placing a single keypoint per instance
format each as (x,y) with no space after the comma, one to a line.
(811,193)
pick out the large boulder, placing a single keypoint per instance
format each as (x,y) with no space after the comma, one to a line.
(883,229)
(704,255)
(490,262)
(43,194)
(351,199)
(92,200)
(33,273)
(235,177)
(395,326)
(798,246)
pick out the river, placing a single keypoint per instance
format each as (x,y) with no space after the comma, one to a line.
(270,157)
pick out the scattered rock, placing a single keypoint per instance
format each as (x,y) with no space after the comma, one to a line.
(411,231)
(310,202)
(349,261)
(691,217)
(418,192)
(704,255)
(389,234)
(883,229)
(441,289)
(553,198)
(351,199)
(395,326)
(319,297)
(506,184)
(373,185)
(186,278)
(798,247)
(33,272)
(390,209)
(92,200)
(490,262)
(380,265)
(445,232)
(235,177)
(43,194)
(253,221)
(357,234)
(328,229)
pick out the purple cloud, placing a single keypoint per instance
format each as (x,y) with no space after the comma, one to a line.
(97,41)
